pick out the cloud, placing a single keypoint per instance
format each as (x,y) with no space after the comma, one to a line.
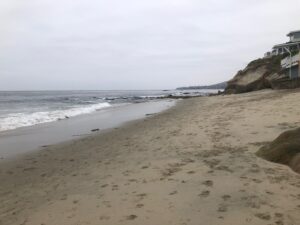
(135,44)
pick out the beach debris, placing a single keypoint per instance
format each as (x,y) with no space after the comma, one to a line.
(66,117)
(150,114)
(78,135)
(45,146)
(94,130)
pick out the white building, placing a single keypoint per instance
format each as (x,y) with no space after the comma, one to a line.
(287,62)
(290,66)
(293,45)
(294,36)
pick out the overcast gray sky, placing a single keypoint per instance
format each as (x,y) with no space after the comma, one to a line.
(135,44)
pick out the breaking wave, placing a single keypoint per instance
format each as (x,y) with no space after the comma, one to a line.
(16,120)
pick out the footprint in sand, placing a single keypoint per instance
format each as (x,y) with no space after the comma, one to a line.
(141,196)
(204,194)
(133,180)
(279,215)
(269,192)
(173,193)
(188,160)
(256,180)
(222,208)
(64,197)
(131,217)
(104,217)
(279,222)
(224,168)
(107,204)
(263,216)
(139,205)
(115,187)
(43,175)
(208,183)
(226,197)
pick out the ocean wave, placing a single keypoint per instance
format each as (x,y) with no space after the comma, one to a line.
(16,120)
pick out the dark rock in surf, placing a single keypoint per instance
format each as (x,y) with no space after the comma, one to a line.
(95,130)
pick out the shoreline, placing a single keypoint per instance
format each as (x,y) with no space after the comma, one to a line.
(193,162)
(37,137)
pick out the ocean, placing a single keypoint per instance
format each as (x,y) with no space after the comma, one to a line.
(28,108)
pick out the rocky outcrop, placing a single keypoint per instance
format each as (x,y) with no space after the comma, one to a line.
(259,74)
(285,150)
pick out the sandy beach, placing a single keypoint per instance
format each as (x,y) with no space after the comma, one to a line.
(193,164)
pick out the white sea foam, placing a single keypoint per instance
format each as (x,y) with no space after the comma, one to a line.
(16,120)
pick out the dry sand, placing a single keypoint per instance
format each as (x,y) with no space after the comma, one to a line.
(193,164)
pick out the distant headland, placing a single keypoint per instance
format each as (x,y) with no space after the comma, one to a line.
(214,86)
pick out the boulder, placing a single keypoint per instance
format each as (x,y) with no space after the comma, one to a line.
(285,149)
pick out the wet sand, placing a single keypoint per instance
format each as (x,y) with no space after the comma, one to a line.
(192,164)
(28,139)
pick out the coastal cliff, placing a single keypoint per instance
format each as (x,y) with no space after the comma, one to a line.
(258,74)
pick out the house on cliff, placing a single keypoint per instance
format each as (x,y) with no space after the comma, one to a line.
(293,45)
(279,69)
(291,64)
